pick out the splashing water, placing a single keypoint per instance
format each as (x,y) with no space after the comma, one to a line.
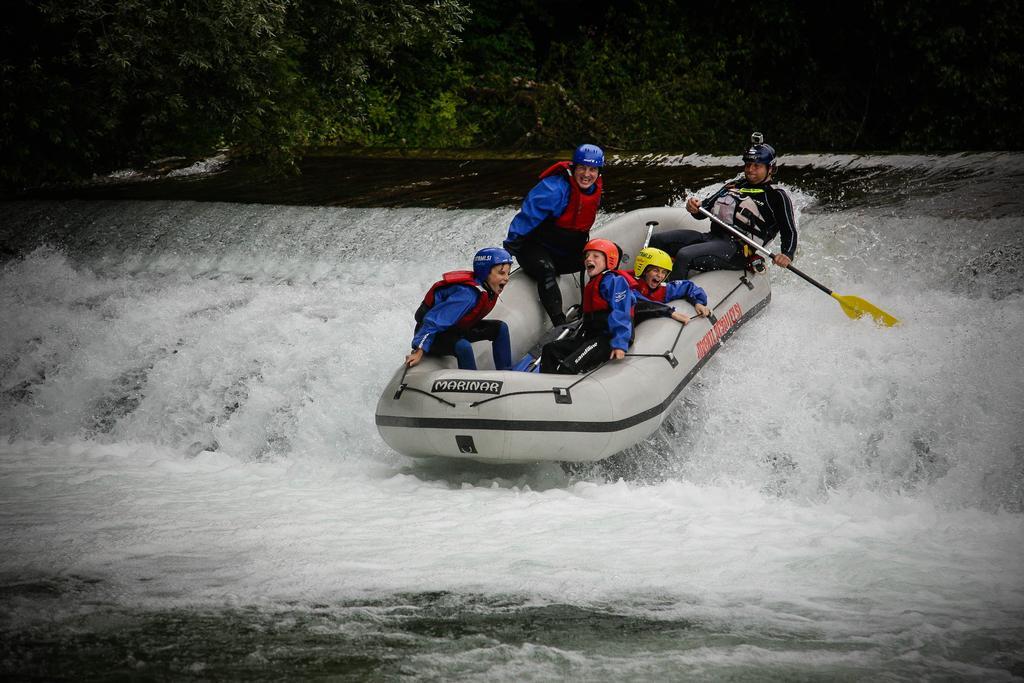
(187,392)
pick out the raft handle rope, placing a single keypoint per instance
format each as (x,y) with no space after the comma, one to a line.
(562,394)
(669,355)
(402,386)
(425,393)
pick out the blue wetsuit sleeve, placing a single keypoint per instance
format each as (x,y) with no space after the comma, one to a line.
(616,291)
(685,289)
(450,304)
(548,198)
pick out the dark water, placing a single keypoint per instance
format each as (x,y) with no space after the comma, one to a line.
(387,182)
(444,636)
(379,640)
(452,183)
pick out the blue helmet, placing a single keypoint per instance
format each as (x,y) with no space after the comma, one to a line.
(759,152)
(486,259)
(588,155)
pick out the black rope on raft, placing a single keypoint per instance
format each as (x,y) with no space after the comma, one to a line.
(427,393)
(562,393)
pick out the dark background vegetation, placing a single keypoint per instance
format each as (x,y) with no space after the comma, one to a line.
(95,85)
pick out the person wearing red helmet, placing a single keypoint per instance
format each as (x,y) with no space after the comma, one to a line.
(548,233)
(606,328)
(752,204)
(450,318)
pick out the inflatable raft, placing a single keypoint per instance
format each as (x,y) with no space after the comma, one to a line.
(435,409)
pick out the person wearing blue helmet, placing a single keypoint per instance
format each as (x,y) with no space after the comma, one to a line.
(548,233)
(752,204)
(450,318)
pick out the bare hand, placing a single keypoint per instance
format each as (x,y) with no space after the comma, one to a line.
(693,205)
(702,310)
(617,354)
(782,260)
(681,317)
(414,358)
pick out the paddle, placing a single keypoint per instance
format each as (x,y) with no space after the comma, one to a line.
(651,225)
(853,306)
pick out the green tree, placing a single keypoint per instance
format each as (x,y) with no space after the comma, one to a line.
(91,85)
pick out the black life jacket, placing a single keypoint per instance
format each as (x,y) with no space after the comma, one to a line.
(741,207)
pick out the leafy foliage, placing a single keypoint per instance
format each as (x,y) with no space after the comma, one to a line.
(92,85)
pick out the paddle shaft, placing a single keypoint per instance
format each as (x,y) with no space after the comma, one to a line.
(561,335)
(767,252)
(853,306)
(650,231)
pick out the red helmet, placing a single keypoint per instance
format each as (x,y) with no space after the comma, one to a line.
(611,251)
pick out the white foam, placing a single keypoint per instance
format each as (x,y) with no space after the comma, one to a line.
(191,423)
(989,162)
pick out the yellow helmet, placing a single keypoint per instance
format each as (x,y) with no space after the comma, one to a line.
(649,256)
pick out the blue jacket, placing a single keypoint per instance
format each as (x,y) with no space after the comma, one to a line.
(685,289)
(547,199)
(674,289)
(450,305)
(614,289)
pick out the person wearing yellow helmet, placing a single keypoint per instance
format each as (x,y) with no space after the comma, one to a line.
(649,256)
(652,268)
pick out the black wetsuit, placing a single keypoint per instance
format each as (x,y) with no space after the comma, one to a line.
(719,249)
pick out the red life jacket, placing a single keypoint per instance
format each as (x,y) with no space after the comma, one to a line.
(656,294)
(581,211)
(595,307)
(593,302)
(485,299)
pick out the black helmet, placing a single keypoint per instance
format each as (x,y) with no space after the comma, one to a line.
(759,152)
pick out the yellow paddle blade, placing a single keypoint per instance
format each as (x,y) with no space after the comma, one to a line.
(855,307)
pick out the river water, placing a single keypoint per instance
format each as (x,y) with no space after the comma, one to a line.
(192,485)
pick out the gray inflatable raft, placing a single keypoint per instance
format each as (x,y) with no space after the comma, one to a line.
(435,409)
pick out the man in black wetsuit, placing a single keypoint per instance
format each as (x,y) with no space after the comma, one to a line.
(751,204)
